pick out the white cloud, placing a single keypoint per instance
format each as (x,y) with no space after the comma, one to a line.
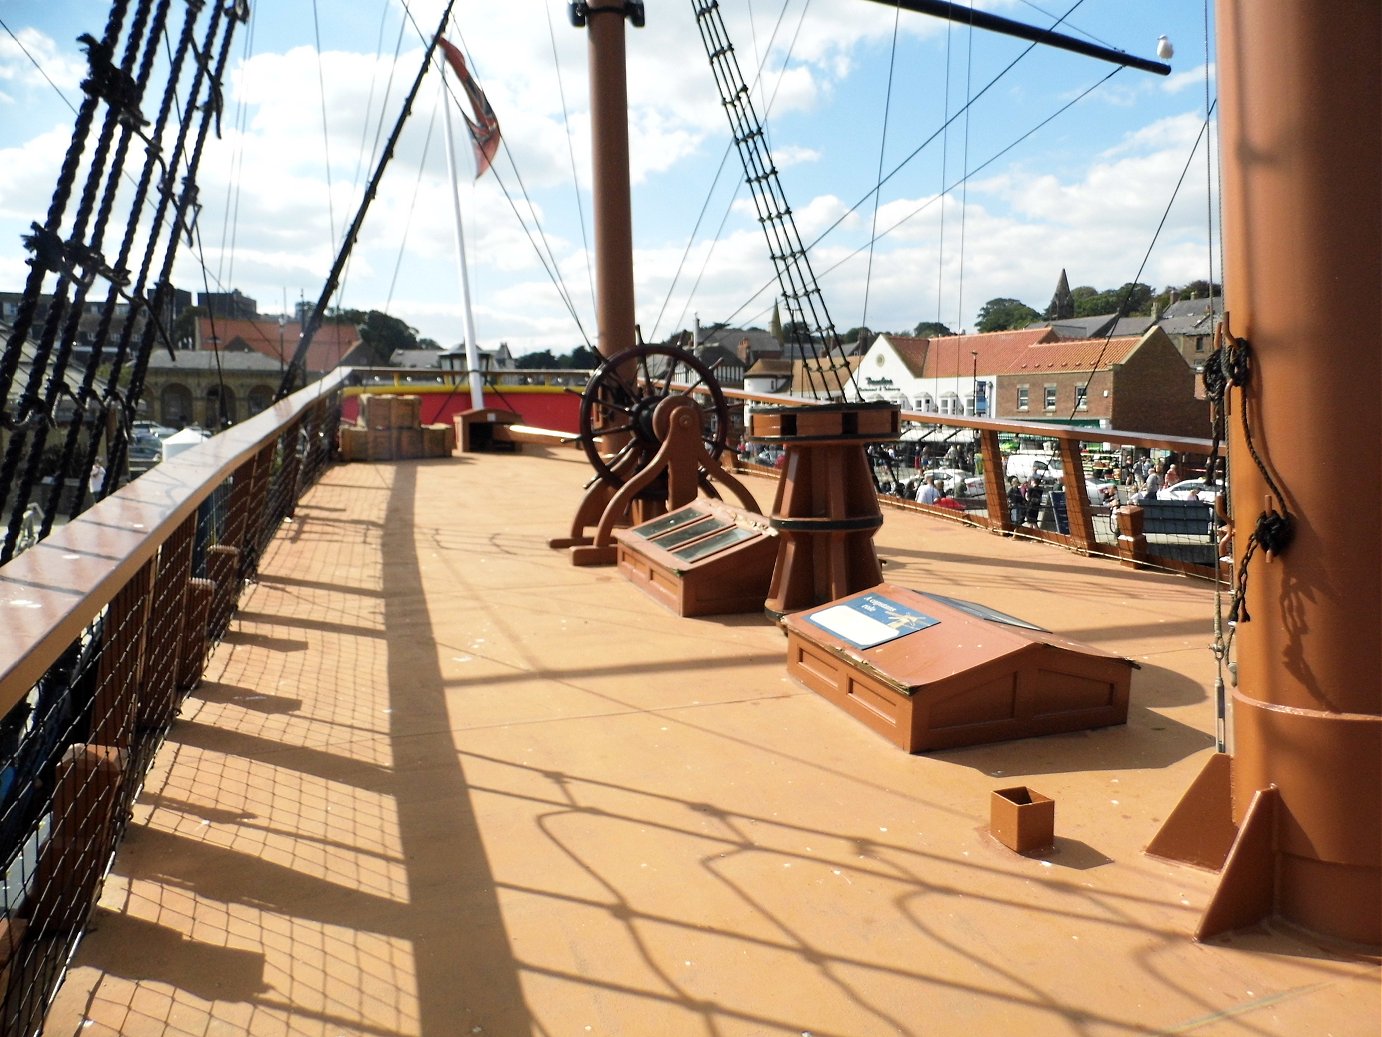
(1089,204)
(65,70)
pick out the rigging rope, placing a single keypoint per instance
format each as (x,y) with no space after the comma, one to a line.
(882,150)
(715,181)
(326,136)
(1126,299)
(932,201)
(964,188)
(230,222)
(571,154)
(119,90)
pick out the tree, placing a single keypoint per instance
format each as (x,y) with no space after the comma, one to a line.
(1132,298)
(1095,303)
(932,329)
(582,358)
(379,333)
(383,335)
(1005,314)
(428,343)
(543,360)
(184,327)
(1201,289)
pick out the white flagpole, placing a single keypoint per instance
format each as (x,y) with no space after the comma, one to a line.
(472,352)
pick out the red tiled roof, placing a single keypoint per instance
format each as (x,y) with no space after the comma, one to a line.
(329,347)
(1030,349)
(911,351)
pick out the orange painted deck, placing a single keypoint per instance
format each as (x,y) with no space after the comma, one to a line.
(440,782)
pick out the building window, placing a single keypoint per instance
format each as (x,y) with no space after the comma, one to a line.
(1050,397)
(1022,397)
(1199,343)
(1081,397)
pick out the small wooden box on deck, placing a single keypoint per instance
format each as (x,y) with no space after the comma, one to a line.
(475,427)
(1022,820)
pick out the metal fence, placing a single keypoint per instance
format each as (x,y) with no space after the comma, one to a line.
(107,626)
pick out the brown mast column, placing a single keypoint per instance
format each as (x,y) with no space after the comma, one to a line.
(609,126)
(1300,123)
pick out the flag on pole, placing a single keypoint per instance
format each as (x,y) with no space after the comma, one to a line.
(484,127)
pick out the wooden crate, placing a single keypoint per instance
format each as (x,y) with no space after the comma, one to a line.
(376,410)
(407,411)
(407,443)
(381,444)
(354,443)
(437,440)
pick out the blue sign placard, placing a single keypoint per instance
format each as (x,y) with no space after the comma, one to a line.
(871,620)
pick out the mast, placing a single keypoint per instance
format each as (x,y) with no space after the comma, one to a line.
(1300,89)
(609,128)
(472,350)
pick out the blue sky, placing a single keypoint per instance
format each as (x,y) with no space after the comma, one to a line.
(1085,193)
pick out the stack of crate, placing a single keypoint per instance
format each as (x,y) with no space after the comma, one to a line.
(390,428)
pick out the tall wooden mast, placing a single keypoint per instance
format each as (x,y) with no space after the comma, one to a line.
(1300,89)
(1301,119)
(609,125)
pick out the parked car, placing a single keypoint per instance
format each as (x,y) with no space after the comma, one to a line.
(152,428)
(146,450)
(1024,464)
(1193,489)
(952,479)
(1102,493)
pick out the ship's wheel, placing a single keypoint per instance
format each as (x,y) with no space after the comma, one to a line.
(653,423)
(624,393)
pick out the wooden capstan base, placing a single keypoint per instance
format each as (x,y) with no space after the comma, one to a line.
(826,511)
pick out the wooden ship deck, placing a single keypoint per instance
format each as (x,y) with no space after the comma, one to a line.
(438,781)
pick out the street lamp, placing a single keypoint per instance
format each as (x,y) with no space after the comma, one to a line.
(974,356)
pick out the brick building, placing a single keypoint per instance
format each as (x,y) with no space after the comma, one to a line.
(1134,383)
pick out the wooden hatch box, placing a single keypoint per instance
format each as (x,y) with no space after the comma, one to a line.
(934,673)
(706,558)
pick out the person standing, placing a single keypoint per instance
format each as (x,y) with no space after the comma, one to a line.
(1017,503)
(97,479)
(1033,500)
(928,494)
(1152,489)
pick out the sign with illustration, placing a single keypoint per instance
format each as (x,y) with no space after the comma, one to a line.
(871,620)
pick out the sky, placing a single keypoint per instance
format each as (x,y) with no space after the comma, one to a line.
(1053,164)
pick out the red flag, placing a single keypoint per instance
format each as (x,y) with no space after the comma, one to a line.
(484,128)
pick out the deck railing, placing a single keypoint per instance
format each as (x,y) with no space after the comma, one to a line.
(106,626)
(1174,535)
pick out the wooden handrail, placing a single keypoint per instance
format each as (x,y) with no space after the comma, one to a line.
(51,592)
